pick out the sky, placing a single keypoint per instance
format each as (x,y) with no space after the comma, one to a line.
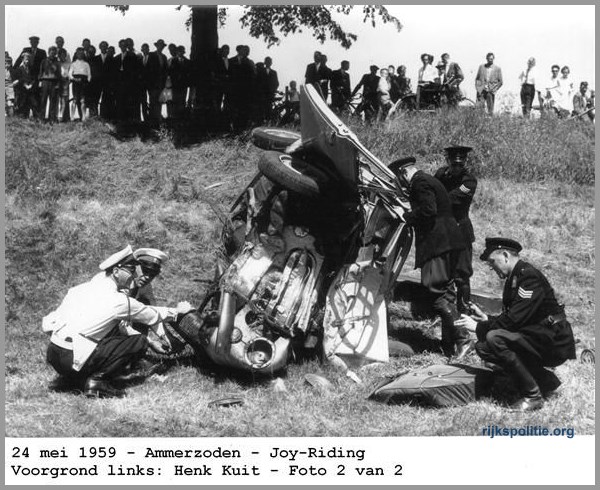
(553,34)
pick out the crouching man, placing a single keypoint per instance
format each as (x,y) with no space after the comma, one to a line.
(92,339)
(532,332)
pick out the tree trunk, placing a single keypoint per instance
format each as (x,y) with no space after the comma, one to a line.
(205,42)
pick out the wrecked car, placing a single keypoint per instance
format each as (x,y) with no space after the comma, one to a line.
(311,250)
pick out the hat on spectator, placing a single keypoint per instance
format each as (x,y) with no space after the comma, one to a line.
(34,38)
(160,42)
(121,257)
(500,243)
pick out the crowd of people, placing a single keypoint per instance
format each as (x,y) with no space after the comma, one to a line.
(127,85)
(132,85)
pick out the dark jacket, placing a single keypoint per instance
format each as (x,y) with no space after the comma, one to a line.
(340,87)
(461,189)
(369,83)
(267,83)
(36,60)
(154,75)
(528,300)
(436,230)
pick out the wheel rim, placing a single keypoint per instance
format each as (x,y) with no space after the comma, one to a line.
(287,161)
(282,133)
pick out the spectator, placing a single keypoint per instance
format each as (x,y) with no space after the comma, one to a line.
(156,74)
(317,73)
(64,107)
(80,75)
(453,77)
(60,44)
(85,45)
(394,87)
(564,94)
(487,82)
(125,70)
(325,76)
(427,76)
(25,83)
(221,97)
(9,91)
(37,55)
(243,78)
(105,77)
(383,93)
(340,87)
(50,85)
(93,89)
(551,88)
(583,103)
(267,84)
(180,81)
(528,80)
(403,82)
(369,83)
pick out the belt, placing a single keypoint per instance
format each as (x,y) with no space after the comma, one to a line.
(66,343)
(556,318)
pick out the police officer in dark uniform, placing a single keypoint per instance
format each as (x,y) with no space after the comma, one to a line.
(438,240)
(532,331)
(461,186)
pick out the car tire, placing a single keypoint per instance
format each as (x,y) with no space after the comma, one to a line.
(273,138)
(294,174)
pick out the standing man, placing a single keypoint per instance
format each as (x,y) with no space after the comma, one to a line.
(267,84)
(317,74)
(60,44)
(527,78)
(460,185)
(156,78)
(324,77)
(25,84)
(487,82)
(453,77)
(583,103)
(531,333)
(438,241)
(550,89)
(145,75)
(92,336)
(50,85)
(37,55)
(105,76)
(369,83)
(340,87)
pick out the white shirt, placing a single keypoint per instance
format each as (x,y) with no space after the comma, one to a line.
(80,67)
(91,310)
(427,73)
(528,76)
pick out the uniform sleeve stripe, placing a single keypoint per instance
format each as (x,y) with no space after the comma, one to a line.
(465,189)
(523,293)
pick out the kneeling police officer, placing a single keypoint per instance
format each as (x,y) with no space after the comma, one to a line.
(531,333)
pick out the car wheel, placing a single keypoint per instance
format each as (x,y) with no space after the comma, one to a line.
(293,173)
(273,138)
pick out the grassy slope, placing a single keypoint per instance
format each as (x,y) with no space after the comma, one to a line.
(75,193)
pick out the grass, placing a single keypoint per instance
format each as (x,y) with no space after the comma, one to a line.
(74,194)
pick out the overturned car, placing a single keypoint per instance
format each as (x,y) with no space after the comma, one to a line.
(311,251)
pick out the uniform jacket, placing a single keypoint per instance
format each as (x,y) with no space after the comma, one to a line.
(491,83)
(528,300)
(92,310)
(436,230)
(461,189)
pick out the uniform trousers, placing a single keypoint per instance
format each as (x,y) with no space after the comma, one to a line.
(112,354)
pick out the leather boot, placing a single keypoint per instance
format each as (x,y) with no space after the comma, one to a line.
(448,314)
(97,386)
(532,398)
(463,297)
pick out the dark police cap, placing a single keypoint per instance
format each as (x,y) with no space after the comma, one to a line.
(34,38)
(458,152)
(499,243)
(399,164)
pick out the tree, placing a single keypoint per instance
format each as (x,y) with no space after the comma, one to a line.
(268,23)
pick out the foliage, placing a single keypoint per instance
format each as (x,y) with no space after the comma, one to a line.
(264,21)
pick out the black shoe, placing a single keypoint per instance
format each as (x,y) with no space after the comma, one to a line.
(528,404)
(463,349)
(100,388)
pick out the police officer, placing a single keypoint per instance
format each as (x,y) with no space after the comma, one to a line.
(92,338)
(532,331)
(461,186)
(438,240)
